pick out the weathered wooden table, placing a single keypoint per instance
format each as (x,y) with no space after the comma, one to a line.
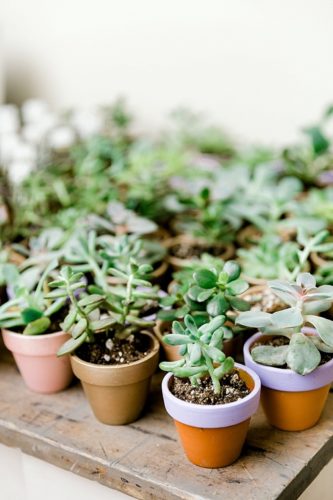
(145,459)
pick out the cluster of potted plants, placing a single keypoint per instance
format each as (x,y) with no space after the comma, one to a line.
(121,245)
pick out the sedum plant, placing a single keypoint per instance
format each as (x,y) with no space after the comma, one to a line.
(30,312)
(201,350)
(306,301)
(115,311)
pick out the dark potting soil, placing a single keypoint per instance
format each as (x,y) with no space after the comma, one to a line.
(281,340)
(190,250)
(233,388)
(111,351)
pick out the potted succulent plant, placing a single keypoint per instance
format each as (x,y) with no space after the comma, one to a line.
(211,291)
(210,398)
(295,363)
(201,229)
(31,330)
(113,352)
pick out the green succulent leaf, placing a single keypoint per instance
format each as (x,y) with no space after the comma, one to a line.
(91,299)
(38,326)
(31,314)
(69,320)
(217,305)
(232,269)
(171,365)
(215,354)
(254,319)
(176,339)
(196,354)
(324,328)
(225,367)
(189,371)
(79,328)
(270,355)
(237,287)
(238,304)
(71,345)
(302,356)
(205,278)
(287,318)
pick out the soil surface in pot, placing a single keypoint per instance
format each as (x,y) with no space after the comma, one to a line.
(111,351)
(233,388)
(264,300)
(281,340)
(190,250)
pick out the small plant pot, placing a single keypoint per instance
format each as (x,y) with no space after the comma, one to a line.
(178,263)
(37,362)
(291,402)
(213,435)
(117,393)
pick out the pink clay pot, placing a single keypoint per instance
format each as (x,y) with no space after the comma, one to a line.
(37,362)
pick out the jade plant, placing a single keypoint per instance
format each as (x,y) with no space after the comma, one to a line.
(201,351)
(30,313)
(211,292)
(302,352)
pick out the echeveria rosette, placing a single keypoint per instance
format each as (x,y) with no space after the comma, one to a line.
(201,350)
(306,302)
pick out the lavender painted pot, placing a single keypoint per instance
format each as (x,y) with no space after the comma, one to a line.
(285,379)
(216,416)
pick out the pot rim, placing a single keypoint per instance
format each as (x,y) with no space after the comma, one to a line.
(213,416)
(151,354)
(285,379)
(28,338)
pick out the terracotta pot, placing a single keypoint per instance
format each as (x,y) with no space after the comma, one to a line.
(117,393)
(178,263)
(292,402)
(248,236)
(36,359)
(213,435)
(231,347)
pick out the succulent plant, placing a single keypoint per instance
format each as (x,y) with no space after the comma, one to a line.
(212,291)
(306,302)
(201,350)
(114,310)
(29,312)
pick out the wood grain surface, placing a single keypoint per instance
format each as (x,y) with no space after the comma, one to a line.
(145,459)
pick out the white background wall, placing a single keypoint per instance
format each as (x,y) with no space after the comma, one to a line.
(261,67)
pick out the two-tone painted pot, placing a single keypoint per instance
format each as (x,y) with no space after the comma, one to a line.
(291,402)
(117,393)
(213,435)
(36,359)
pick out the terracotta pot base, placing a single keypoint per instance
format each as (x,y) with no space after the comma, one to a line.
(294,411)
(212,448)
(117,393)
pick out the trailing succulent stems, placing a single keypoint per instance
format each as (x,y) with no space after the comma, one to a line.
(306,301)
(201,350)
(113,310)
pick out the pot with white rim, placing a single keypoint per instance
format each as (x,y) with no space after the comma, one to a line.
(117,393)
(213,435)
(35,356)
(291,402)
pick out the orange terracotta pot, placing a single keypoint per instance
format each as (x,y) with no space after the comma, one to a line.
(213,436)
(294,411)
(291,402)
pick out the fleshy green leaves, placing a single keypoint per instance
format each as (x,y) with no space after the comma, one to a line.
(38,326)
(302,355)
(270,355)
(31,314)
(201,348)
(324,328)
(205,278)
(254,319)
